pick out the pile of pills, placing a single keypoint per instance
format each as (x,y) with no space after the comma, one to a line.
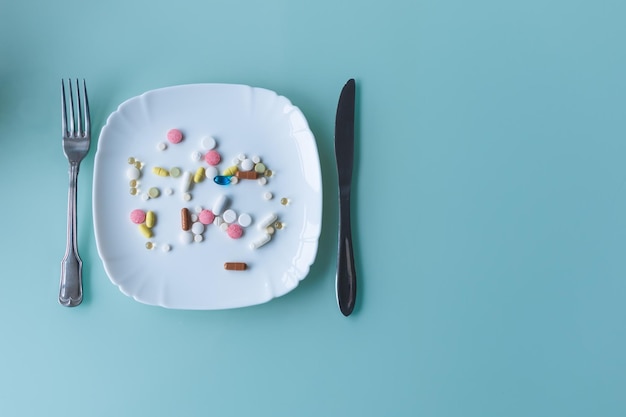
(195,222)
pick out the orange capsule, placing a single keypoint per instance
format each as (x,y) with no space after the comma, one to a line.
(235,266)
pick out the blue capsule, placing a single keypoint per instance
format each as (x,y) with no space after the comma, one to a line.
(222,179)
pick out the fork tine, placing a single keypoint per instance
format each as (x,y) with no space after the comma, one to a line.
(72,131)
(87,116)
(63,111)
(79,111)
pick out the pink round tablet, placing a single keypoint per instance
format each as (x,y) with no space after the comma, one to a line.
(137,216)
(234,231)
(206,216)
(174,136)
(212,157)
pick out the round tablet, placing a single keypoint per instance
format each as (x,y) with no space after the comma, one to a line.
(174,136)
(208,142)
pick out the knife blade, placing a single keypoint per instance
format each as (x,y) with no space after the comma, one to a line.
(344,155)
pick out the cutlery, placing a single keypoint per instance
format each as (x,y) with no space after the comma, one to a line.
(76,139)
(344,154)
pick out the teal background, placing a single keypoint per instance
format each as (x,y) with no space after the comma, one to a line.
(489,211)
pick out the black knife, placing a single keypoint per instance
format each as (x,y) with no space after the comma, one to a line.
(344,154)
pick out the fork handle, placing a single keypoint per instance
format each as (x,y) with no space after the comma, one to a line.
(71,286)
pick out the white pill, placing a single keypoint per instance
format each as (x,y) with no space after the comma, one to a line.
(224,226)
(187,196)
(193,217)
(219,205)
(267,220)
(256,159)
(186,237)
(197,228)
(186,181)
(244,220)
(218,221)
(208,142)
(268,196)
(145,197)
(262,181)
(246,164)
(198,238)
(169,191)
(133,173)
(210,172)
(229,216)
(235,161)
(241,156)
(196,156)
(234,180)
(166,248)
(161,146)
(260,241)
(198,209)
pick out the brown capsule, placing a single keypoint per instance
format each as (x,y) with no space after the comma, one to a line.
(235,266)
(185,219)
(247,175)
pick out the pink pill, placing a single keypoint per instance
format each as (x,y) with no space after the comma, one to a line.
(175,136)
(137,216)
(212,157)
(206,217)
(234,231)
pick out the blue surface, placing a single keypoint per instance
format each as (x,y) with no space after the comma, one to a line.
(489,212)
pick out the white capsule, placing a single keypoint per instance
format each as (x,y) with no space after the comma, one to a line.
(229,216)
(267,220)
(208,142)
(186,237)
(244,220)
(260,241)
(197,228)
(133,173)
(246,164)
(186,181)
(220,204)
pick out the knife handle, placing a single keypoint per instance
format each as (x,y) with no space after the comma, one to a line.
(346,273)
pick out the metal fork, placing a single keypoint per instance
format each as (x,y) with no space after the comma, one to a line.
(76,139)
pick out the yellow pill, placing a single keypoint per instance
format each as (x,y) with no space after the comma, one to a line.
(149,245)
(150,219)
(131,160)
(154,192)
(162,172)
(230,171)
(199,176)
(145,230)
(175,172)
(133,191)
(138,164)
(260,167)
